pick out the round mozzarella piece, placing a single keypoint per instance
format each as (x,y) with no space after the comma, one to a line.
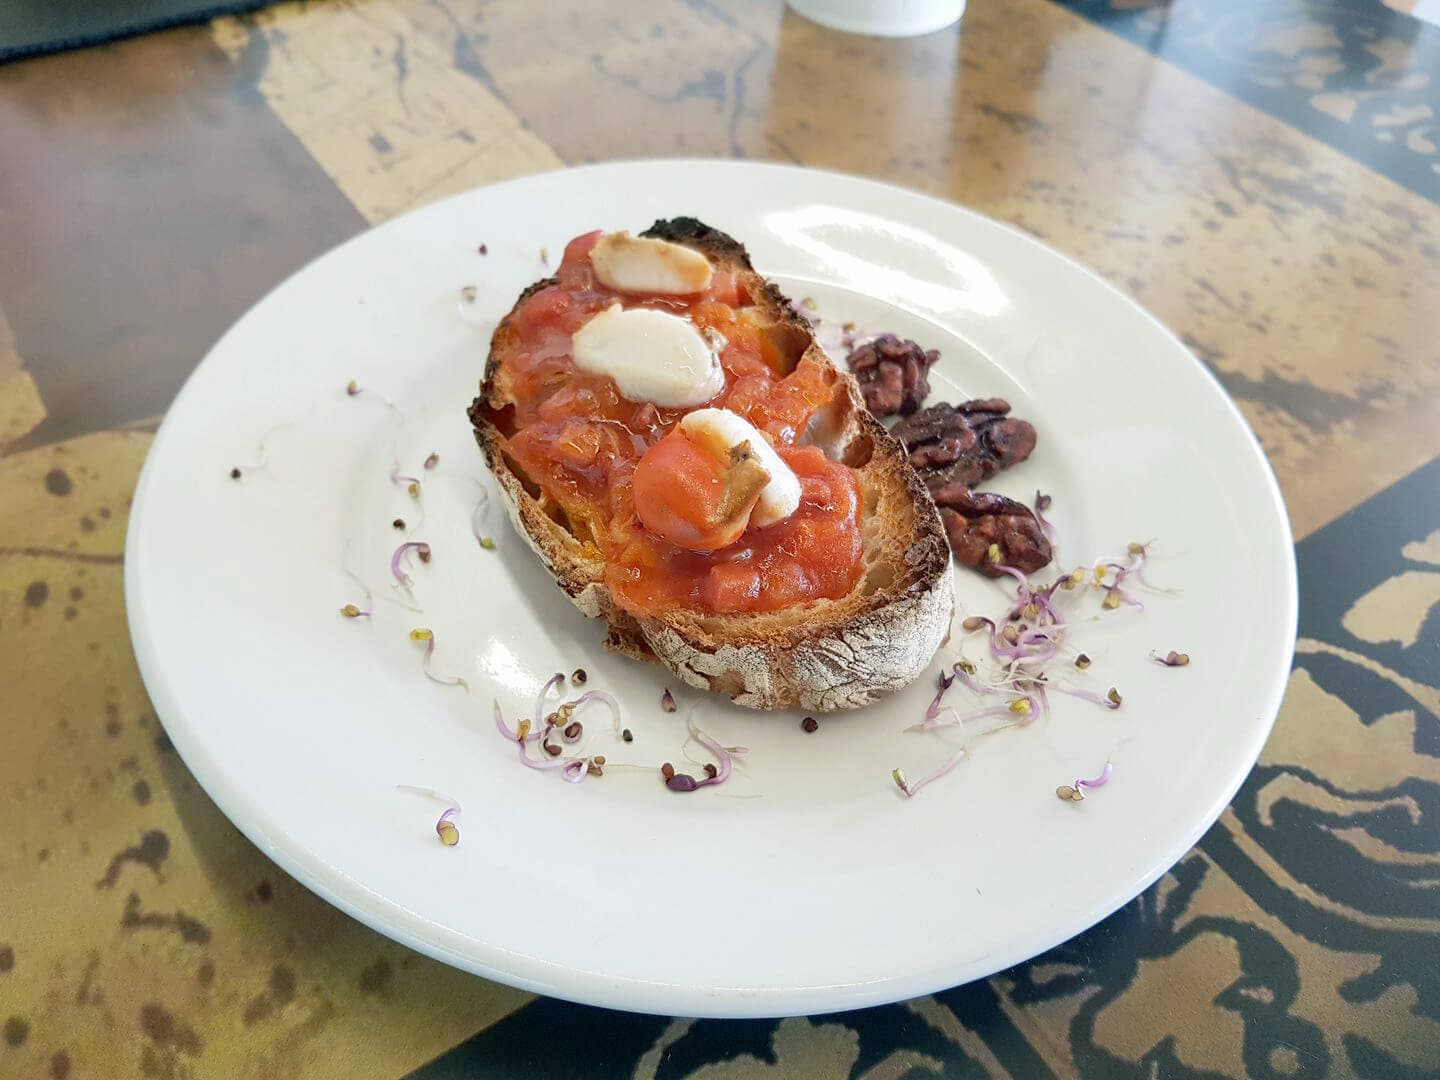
(652,356)
(642,264)
(718,430)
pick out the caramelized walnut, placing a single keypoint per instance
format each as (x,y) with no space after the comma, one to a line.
(893,374)
(966,443)
(976,519)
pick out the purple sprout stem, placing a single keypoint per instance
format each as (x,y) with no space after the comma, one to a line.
(529,762)
(911,790)
(400,552)
(399,479)
(443,680)
(605,699)
(1128,599)
(957,672)
(1085,695)
(1045,526)
(550,684)
(575,771)
(1099,781)
(722,757)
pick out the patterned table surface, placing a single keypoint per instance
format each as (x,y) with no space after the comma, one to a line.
(1264,176)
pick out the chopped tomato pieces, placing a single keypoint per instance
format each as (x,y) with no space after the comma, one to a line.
(620,475)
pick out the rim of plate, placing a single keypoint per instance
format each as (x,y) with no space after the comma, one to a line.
(574,984)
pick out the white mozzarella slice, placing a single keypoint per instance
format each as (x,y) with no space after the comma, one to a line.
(641,264)
(652,356)
(718,430)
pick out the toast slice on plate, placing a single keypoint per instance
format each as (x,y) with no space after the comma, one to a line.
(836,646)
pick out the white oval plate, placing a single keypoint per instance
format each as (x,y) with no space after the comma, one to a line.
(807,883)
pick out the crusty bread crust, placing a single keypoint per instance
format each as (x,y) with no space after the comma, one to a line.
(820,656)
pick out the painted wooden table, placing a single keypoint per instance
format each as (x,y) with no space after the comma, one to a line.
(1263,176)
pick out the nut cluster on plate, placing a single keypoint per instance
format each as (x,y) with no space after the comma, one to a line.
(954,448)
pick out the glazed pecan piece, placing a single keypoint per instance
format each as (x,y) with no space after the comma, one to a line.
(893,374)
(974,520)
(966,443)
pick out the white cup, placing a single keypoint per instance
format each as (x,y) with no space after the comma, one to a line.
(882,18)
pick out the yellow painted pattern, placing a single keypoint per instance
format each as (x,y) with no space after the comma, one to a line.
(381,107)
(143,934)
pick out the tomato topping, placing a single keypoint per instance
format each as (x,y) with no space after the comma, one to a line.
(679,494)
(577,252)
(626,480)
(725,288)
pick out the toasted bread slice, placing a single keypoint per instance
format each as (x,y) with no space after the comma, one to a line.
(821,655)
